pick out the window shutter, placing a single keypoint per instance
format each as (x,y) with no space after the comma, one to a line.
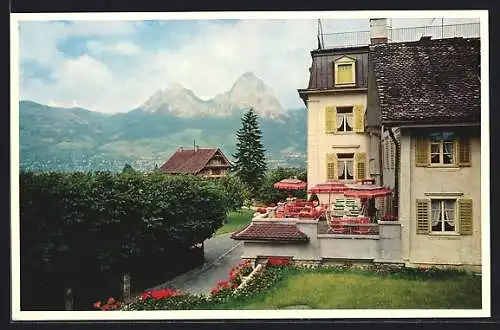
(331,166)
(463,150)
(359,118)
(423,206)
(465,216)
(330,119)
(421,151)
(360,160)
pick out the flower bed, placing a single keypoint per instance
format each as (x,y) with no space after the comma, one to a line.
(231,291)
(165,299)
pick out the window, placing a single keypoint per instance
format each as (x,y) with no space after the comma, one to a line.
(345,165)
(216,171)
(442,148)
(443,215)
(345,71)
(344,119)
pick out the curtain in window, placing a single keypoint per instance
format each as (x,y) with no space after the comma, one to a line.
(349,119)
(350,169)
(340,121)
(435,212)
(449,212)
(341,170)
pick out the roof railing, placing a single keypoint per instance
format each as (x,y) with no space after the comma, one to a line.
(362,38)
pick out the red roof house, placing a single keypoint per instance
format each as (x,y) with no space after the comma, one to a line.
(207,162)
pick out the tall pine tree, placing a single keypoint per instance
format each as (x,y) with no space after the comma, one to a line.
(250,162)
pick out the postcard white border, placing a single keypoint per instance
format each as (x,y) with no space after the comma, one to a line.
(18,315)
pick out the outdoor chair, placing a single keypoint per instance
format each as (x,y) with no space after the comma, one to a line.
(336,227)
(363,229)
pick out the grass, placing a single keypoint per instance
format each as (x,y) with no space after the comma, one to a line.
(321,289)
(236,220)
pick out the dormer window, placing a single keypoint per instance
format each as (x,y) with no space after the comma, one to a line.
(345,71)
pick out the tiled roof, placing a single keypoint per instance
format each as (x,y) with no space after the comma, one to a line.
(428,81)
(271,232)
(189,161)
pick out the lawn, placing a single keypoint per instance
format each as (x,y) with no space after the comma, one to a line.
(236,220)
(364,290)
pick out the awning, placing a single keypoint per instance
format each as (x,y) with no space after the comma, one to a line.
(290,184)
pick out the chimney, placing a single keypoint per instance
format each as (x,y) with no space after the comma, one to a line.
(379,31)
(196,147)
(181,149)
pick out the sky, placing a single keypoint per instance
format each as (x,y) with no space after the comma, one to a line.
(116,65)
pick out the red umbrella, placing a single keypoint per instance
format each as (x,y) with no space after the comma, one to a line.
(328,187)
(367,191)
(290,184)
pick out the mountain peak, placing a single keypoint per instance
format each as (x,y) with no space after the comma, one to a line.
(247,92)
(249,80)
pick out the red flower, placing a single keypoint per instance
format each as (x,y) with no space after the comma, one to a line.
(214,291)
(105,307)
(97,304)
(111,300)
(235,285)
(145,295)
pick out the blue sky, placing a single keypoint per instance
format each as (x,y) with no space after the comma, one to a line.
(114,66)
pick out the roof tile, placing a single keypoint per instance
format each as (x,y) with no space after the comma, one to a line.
(271,232)
(428,81)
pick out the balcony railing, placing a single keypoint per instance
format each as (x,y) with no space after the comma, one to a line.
(362,38)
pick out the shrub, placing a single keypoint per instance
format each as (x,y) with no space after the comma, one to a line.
(108,224)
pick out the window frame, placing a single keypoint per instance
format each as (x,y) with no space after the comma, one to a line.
(344,119)
(345,160)
(442,196)
(345,61)
(442,210)
(441,143)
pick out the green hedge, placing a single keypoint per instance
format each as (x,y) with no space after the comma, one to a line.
(87,227)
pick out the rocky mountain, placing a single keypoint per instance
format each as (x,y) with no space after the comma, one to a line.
(247,91)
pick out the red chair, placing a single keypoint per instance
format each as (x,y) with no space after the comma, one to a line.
(337,227)
(363,229)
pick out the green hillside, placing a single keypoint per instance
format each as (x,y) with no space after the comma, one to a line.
(77,139)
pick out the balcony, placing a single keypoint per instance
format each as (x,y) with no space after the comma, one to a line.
(362,38)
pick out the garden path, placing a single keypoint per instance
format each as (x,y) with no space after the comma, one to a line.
(221,253)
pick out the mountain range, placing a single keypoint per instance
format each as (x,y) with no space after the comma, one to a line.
(76,139)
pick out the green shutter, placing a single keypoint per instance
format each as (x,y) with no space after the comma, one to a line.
(465,216)
(359,118)
(423,213)
(463,150)
(421,152)
(330,120)
(360,161)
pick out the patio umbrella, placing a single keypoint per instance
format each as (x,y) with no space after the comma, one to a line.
(328,187)
(290,184)
(366,191)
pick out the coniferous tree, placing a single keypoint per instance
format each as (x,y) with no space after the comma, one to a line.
(250,162)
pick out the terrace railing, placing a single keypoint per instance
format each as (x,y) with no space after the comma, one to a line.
(362,38)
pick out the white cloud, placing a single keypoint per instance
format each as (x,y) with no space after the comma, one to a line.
(120,48)
(277,51)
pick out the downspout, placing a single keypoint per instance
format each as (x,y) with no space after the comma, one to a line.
(380,160)
(395,204)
